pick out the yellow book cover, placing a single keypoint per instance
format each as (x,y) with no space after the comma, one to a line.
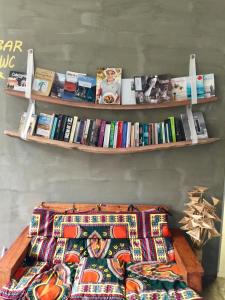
(43,80)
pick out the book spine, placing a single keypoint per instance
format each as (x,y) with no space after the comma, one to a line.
(80,133)
(96,131)
(76,132)
(172,122)
(68,129)
(111,138)
(145,134)
(128,134)
(62,128)
(141,134)
(136,134)
(75,118)
(90,130)
(56,136)
(115,135)
(124,134)
(132,138)
(167,133)
(54,126)
(106,135)
(163,135)
(120,134)
(149,134)
(156,133)
(85,132)
(92,133)
(101,134)
(152,133)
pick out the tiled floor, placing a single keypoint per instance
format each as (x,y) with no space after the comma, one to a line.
(215,290)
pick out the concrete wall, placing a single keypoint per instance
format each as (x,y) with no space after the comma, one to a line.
(142,37)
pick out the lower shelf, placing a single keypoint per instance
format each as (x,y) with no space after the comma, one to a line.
(102,150)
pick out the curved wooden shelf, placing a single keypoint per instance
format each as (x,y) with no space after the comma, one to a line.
(80,104)
(101,150)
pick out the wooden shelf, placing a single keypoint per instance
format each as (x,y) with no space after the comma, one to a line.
(102,150)
(80,104)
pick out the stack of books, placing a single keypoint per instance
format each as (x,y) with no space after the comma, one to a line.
(115,134)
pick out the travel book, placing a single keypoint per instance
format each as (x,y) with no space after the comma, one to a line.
(44,125)
(108,89)
(17,81)
(42,83)
(153,88)
(58,85)
(71,84)
(86,88)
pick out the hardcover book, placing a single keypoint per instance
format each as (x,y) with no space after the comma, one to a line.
(58,85)
(86,88)
(153,89)
(17,81)
(44,125)
(108,86)
(42,83)
(128,92)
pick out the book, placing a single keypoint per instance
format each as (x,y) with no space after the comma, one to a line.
(68,129)
(76,131)
(42,83)
(101,133)
(108,87)
(136,134)
(200,125)
(145,134)
(58,85)
(199,86)
(124,135)
(185,123)
(71,84)
(54,126)
(85,132)
(86,88)
(90,130)
(128,139)
(96,132)
(141,143)
(62,128)
(80,132)
(106,135)
(149,134)
(73,129)
(173,130)
(44,125)
(179,88)
(156,133)
(209,85)
(132,138)
(163,134)
(58,126)
(180,136)
(17,81)
(128,92)
(31,126)
(119,134)
(168,131)
(111,137)
(115,135)
(153,88)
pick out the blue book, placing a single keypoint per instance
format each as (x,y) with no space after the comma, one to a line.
(54,125)
(124,135)
(80,133)
(86,88)
(145,134)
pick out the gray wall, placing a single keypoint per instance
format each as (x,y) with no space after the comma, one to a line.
(142,37)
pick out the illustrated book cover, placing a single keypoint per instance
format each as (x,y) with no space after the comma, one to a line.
(42,83)
(17,81)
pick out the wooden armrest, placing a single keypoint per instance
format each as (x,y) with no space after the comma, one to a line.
(187,261)
(14,257)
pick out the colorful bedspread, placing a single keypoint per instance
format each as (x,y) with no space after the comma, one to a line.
(99,256)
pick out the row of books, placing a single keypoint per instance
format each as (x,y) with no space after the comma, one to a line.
(113,134)
(108,87)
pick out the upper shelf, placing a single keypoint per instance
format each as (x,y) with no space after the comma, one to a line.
(80,104)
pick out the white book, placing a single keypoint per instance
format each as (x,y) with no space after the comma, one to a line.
(163,133)
(136,134)
(85,133)
(115,135)
(76,132)
(167,134)
(128,92)
(106,135)
(75,118)
(128,134)
(209,85)
(156,133)
(132,139)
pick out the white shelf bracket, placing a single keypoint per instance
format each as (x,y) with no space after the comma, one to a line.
(192,76)
(31,106)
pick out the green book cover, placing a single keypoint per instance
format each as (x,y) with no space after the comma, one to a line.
(111,137)
(172,122)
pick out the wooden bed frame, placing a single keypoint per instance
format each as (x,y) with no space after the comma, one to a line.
(189,265)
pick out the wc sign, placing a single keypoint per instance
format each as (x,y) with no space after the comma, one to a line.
(8,51)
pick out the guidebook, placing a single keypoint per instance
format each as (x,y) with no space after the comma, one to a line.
(43,80)
(17,81)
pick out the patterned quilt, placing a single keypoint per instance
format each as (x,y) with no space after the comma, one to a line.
(94,255)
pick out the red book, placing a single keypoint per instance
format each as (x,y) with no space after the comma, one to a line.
(120,134)
(101,134)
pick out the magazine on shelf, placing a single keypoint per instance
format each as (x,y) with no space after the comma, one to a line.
(17,81)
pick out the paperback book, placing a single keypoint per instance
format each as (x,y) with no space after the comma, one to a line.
(58,85)
(128,92)
(42,83)
(71,84)
(86,88)
(17,81)
(44,125)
